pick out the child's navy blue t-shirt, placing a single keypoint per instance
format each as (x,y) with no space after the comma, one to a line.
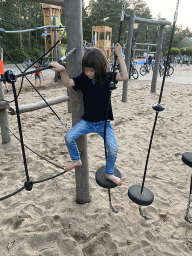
(95,97)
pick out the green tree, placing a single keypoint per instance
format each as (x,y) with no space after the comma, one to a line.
(186,51)
(175,51)
(108,12)
(18,15)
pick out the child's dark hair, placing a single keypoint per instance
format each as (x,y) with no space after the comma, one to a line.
(95,58)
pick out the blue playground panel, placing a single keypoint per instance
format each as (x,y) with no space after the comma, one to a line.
(141,62)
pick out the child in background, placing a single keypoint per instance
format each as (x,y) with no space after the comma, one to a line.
(93,83)
(38,75)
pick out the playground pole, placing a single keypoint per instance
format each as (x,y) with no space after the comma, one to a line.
(55,49)
(157,58)
(128,53)
(3,112)
(73,21)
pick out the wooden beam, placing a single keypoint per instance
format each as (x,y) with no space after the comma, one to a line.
(4,104)
(38,105)
(54,2)
(162,22)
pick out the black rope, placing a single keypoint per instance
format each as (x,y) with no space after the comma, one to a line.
(189,203)
(52,177)
(31,72)
(12,194)
(135,35)
(146,35)
(160,96)
(105,126)
(44,158)
(119,37)
(30,183)
(20,131)
(33,63)
(113,76)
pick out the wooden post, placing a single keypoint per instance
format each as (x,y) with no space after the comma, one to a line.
(55,49)
(162,23)
(128,53)
(3,113)
(73,21)
(157,59)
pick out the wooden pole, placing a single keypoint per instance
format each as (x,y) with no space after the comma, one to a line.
(128,53)
(73,21)
(157,59)
(3,113)
(55,49)
(162,23)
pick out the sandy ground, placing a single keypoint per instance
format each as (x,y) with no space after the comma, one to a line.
(47,221)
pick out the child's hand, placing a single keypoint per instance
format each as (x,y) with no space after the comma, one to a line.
(56,66)
(118,49)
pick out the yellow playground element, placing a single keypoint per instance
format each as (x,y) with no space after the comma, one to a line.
(50,11)
(101,38)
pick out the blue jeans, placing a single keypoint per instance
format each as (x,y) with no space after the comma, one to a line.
(83,127)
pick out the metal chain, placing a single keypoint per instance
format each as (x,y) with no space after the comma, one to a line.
(67,55)
(188,206)
(187,211)
(144,216)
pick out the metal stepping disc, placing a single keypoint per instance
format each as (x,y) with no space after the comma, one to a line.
(187,158)
(102,181)
(144,198)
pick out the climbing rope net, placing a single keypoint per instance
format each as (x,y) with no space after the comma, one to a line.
(10,77)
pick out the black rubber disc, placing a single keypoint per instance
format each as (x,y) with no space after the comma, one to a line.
(144,198)
(102,181)
(187,158)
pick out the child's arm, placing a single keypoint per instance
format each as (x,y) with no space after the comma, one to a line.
(63,73)
(122,75)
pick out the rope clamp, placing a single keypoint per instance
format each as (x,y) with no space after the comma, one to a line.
(28,185)
(10,77)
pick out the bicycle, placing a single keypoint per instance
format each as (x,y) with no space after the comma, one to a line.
(27,63)
(134,73)
(145,68)
(169,70)
(45,63)
(111,66)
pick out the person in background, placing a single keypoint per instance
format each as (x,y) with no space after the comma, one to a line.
(38,75)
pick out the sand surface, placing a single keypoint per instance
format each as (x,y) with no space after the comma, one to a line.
(47,221)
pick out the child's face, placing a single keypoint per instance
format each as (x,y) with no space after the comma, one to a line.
(89,72)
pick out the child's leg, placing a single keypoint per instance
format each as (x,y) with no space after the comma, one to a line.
(112,150)
(35,81)
(81,128)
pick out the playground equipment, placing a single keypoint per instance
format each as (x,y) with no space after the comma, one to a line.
(101,38)
(132,20)
(52,13)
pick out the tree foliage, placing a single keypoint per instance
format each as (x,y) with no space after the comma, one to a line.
(22,14)
(175,51)
(186,51)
